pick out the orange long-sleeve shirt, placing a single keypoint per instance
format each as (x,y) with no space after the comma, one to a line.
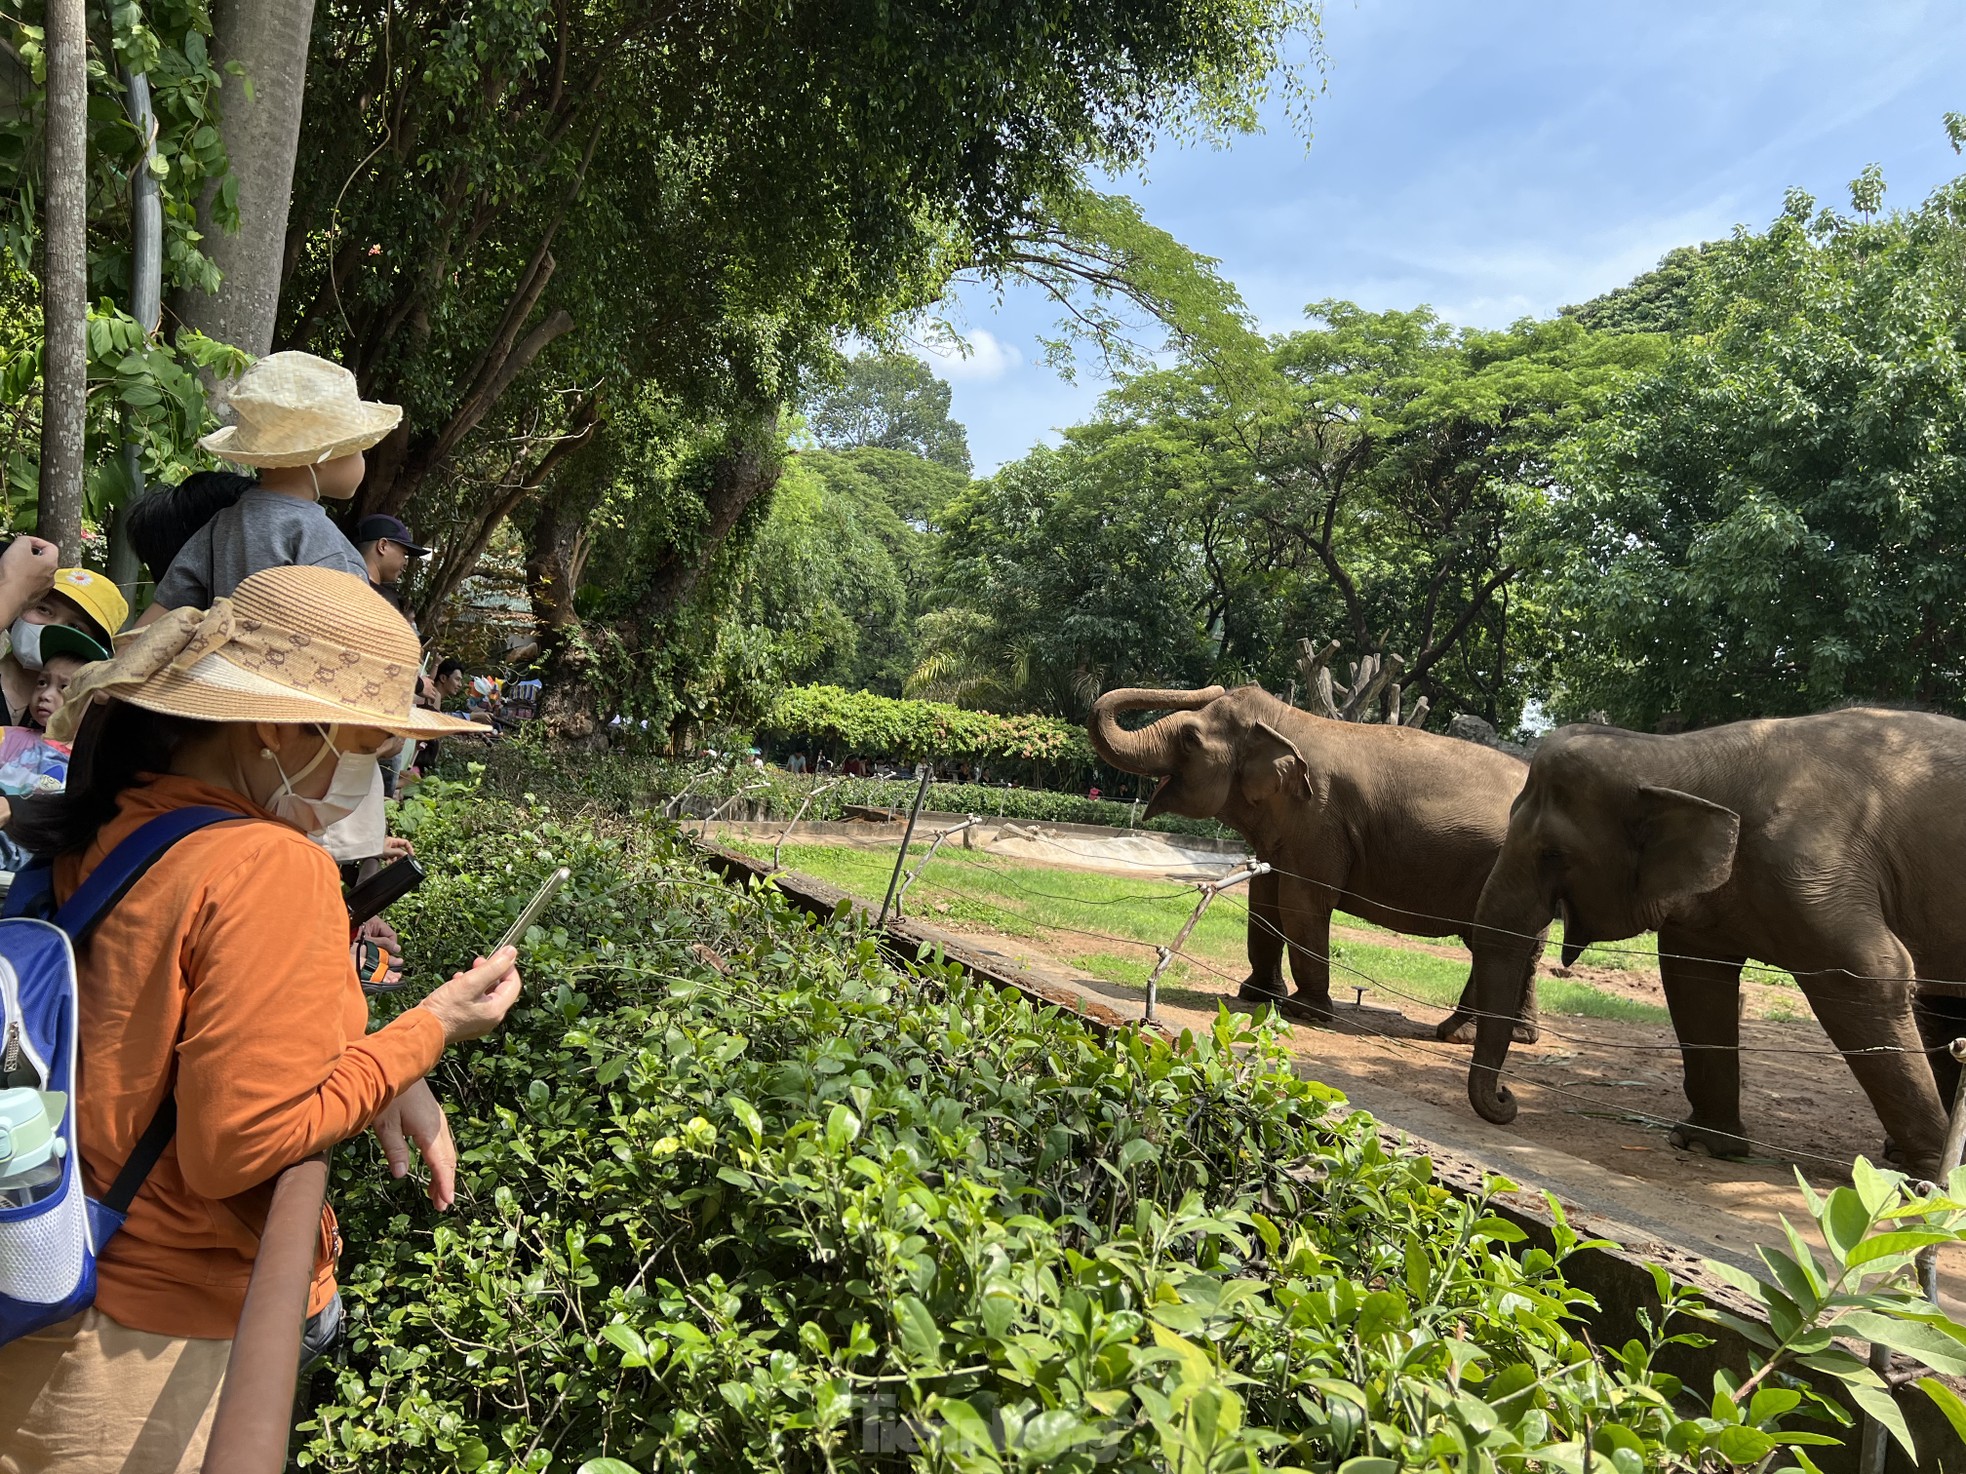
(234,950)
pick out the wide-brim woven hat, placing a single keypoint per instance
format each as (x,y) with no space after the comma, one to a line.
(293,409)
(292,644)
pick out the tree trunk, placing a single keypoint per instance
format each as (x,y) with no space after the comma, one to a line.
(65,279)
(269,38)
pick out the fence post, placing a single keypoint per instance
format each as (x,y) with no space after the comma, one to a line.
(928,770)
(810,797)
(1209,890)
(929,854)
(1949,1158)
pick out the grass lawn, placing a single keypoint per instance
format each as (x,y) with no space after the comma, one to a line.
(1110,925)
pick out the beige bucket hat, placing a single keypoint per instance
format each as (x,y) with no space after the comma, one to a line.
(292,644)
(293,409)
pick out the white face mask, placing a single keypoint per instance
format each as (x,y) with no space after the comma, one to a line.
(25,639)
(354,778)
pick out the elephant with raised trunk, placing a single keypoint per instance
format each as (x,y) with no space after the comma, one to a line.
(1393,824)
(1828,846)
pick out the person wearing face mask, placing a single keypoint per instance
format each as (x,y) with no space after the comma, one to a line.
(76,598)
(222,981)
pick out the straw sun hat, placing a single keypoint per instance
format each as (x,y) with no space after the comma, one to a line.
(293,409)
(292,644)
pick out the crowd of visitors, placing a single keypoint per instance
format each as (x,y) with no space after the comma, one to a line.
(263,704)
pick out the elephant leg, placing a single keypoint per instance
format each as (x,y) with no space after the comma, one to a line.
(1459,1026)
(1865,1007)
(1305,910)
(1704,997)
(1265,942)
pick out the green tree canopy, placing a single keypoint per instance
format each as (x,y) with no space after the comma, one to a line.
(891,401)
(1369,480)
(1772,522)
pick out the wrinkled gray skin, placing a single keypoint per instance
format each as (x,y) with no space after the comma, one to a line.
(1392,824)
(1828,845)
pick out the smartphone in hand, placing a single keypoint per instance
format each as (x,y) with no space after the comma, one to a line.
(515,933)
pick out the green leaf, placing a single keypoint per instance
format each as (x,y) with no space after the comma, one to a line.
(1844,1222)
(605,1466)
(1740,1444)
(1917,1339)
(1770,1403)
(921,1338)
(1948,1402)
(1881,1405)
(1901,1241)
(961,1419)
(842,1128)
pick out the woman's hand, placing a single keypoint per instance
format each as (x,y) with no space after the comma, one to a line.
(415,1116)
(27,571)
(376,930)
(395,847)
(475,1002)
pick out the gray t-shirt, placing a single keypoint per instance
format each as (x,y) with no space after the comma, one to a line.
(263,529)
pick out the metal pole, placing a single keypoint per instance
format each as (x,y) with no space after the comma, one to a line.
(1209,890)
(914,813)
(146,306)
(929,854)
(1949,1158)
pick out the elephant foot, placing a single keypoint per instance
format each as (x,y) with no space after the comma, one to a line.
(1261,990)
(1711,1141)
(1459,1028)
(1456,1028)
(1310,1007)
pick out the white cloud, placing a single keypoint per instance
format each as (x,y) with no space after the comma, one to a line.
(979,356)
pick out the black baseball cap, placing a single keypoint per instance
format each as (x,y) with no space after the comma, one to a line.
(380,525)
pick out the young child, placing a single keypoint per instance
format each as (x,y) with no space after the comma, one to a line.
(64,651)
(79,600)
(303,425)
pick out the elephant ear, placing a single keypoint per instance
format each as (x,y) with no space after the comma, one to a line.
(1265,748)
(1685,848)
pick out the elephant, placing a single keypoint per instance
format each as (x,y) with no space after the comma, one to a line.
(1396,825)
(1824,845)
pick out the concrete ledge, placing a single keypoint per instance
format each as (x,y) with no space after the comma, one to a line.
(1619,1279)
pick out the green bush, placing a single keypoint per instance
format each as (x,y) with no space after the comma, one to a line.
(859,721)
(737,1193)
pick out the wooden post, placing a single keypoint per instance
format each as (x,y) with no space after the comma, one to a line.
(928,770)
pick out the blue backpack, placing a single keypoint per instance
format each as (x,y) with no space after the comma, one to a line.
(48,1246)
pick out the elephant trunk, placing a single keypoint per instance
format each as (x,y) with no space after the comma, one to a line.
(1508,924)
(1148,751)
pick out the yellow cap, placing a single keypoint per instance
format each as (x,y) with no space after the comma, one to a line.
(95,595)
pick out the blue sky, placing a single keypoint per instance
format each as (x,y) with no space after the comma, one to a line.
(1504,158)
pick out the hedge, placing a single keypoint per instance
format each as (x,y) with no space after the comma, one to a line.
(858,721)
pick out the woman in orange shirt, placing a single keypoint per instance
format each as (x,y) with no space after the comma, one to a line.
(223,978)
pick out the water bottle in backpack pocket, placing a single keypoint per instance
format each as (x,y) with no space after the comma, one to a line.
(50,1229)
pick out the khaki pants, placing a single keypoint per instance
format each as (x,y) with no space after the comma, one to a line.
(88,1396)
